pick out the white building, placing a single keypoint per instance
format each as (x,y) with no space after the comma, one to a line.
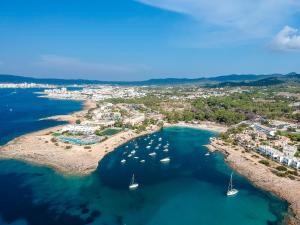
(266,130)
(134,120)
(279,156)
(79,129)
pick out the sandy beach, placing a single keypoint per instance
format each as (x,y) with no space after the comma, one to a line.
(38,148)
(204,125)
(247,164)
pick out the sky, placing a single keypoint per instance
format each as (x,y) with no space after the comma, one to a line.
(144,39)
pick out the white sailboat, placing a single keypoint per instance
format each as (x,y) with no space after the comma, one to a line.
(133,152)
(165,160)
(123,161)
(231,191)
(207,154)
(166,150)
(152,154)
(143,161)
(133,184)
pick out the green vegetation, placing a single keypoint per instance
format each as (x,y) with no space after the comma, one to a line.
(234,108)
(291,135)
(78,121)
(56,134)
(281,168)
(225,136)
(265,162)
(108,132)
(230,109)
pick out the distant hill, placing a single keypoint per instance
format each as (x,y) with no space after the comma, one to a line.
(262,82)
(267,81)
(218,81)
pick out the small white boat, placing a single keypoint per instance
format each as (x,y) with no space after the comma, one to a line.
(133,152)
(207,154)
(157,147)
(231,191)
(160,139)
(148,146)
(133,184)
(126,146)
(135,157)
(129,155)
(153,154)
(165,160)
(142,161)
(166,150)
(123,161)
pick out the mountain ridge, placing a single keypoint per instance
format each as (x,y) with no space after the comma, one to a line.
(233,79)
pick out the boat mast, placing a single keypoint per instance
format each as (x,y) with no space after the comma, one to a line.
(230,183)
(132,179)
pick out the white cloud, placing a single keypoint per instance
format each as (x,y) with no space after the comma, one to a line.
(55,64)
(288,39)
(74,64)
(256,18)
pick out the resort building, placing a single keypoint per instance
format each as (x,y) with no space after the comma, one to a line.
(278,156)
(263,129)
(134,120)
(79,129)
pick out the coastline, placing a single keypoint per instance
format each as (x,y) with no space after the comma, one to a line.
(246,164)
(38,148)
(203,125)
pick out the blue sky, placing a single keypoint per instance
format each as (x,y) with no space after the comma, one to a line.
(142,39)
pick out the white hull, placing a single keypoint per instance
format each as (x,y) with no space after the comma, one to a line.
(232,192)
(165,160)
(133,187)
(153,154)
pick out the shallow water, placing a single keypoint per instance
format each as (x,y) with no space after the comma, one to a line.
(190,190)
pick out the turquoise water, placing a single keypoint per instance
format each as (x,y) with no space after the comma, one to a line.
(77,141)
(190,190)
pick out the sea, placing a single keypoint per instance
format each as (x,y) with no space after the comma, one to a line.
(190,189)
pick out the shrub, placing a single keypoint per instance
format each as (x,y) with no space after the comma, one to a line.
(281,168)
(265,162)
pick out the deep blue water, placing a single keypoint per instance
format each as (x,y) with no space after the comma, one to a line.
(21,109)
(190,190)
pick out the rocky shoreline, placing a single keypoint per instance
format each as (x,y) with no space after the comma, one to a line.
(247,164)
